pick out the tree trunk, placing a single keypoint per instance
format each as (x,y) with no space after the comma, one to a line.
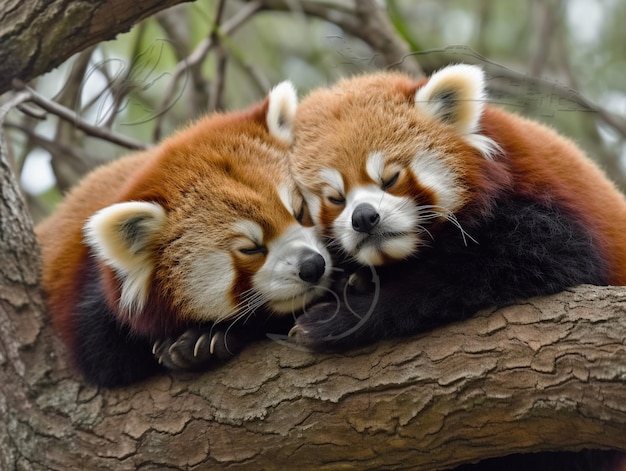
(38,36)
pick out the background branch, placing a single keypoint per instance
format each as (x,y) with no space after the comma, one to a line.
(68,115)
(55,30)
(367,21)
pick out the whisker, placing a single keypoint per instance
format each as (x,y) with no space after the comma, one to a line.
(250,299)
(435,211)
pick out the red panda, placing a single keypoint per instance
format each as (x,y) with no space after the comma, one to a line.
(201,230)
(458,204)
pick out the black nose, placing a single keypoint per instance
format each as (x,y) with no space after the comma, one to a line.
(365,218)
(312,267)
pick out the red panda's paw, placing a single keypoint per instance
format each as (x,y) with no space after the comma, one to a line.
(196,349)
(332,327)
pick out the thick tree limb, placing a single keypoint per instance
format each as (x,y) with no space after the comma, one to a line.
(546,374)
(38,36)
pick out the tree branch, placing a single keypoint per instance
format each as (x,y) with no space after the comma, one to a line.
(547,374)
(196,57)
(38,36)
(366,21)
(68,115)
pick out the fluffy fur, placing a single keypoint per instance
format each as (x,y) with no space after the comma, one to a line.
(199,231)
(458,204)
(453,206)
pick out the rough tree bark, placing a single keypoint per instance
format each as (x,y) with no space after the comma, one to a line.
(38,36)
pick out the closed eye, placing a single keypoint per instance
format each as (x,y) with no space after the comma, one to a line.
(300,215)
(391,181)
(258,249)
(339,201)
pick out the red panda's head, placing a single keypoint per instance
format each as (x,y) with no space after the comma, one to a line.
(381,157)
(208,230)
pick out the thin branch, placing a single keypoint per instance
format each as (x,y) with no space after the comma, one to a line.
(69,96)
(197,56)
(176,28)
(54,147)
(19,98)
(548,19)
(68,115)
(217,88)
(122,86)
(368,22)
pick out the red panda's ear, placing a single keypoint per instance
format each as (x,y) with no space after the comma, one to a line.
(283,101)
(121,236)
(455,95)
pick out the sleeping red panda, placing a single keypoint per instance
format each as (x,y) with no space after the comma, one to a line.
(199,233)
(458,204)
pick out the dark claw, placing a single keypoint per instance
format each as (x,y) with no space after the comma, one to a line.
(198,348)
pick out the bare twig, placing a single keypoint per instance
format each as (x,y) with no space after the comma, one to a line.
(69,115)
(548,19)
(175,25)
(122,86)
(62,156)
(54,147)
(21,97)
(197,56)
(368,22)
(217,88)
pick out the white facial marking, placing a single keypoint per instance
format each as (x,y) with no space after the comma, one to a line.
(488,148)
(394,236)
(333,179)
(314,204)
(285,195)
(250,229)
(209,284)
(433,173)
(375,166)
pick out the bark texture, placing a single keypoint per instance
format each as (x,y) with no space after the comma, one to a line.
(548,374)
(37,36)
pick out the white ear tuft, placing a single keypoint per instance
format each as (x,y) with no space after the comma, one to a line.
(121,235)
(455,95)
(282,110)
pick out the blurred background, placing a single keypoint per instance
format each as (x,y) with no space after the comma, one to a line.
(559,61)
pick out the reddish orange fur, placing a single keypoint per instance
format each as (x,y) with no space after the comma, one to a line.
(61,237)
(547,166)
(197,159)
(378,112)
